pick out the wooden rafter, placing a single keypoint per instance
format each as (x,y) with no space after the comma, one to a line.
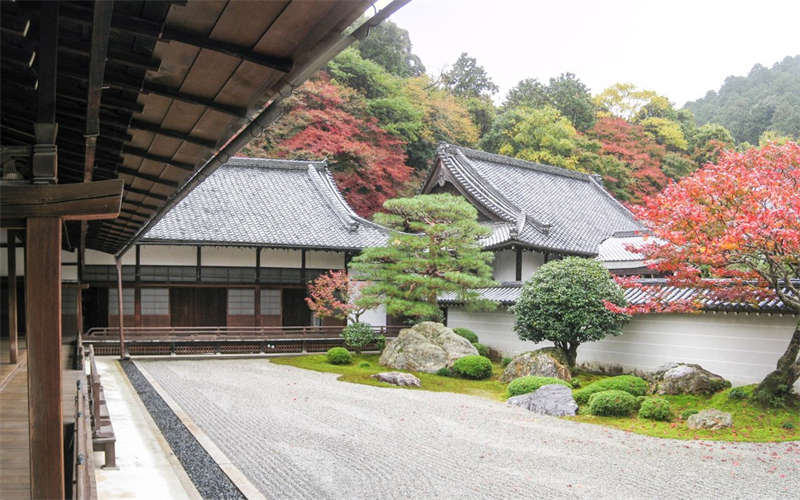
(141,153)
(175,134)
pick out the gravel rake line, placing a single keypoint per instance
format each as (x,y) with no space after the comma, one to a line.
(205,473)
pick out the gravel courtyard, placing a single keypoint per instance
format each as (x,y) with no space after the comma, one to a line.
(301,434)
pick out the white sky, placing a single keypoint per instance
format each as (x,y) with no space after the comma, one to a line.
(678,48)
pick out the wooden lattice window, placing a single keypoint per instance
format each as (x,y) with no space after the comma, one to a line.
(270,302)
(241,301)
(128,305)
(155,301)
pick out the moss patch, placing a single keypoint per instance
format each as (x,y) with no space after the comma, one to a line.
(490,388)
(750,422)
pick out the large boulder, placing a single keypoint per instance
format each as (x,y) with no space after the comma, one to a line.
(546,362)
(685,378)
(553,399)
(426,347)
(398,378)
(711,419)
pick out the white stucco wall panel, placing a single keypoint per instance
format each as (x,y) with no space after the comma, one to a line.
(531,261)
(228,256)
(20,267)
(741,347)
(276,257)
(374,317)
(95,258)
(324,260)
(505,265)
(167,255)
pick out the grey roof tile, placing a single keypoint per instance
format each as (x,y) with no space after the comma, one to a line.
(263,202)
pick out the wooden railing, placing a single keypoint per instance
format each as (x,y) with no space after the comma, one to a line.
(83,481)
(223,339)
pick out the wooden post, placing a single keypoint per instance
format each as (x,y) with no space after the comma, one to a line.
(79,312)
(120,309)
(519,265)
(43,320)
(13,347)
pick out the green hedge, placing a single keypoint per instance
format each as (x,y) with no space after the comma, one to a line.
(530,383)
(482,350)
(656,409)
(612,403)
(635,386)
(339,356)
(467,334)
(474,367)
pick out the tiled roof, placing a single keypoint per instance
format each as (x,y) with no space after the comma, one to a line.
(538,205)
(614,249)
(508,293)
(261,202)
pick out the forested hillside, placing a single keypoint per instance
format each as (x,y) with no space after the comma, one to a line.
(766,100)
(377,117)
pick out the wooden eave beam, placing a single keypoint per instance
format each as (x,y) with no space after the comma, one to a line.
(143,192)
(175,134)
(146,177)
(15,23)
(141,153)
(139,204)
(101,30)
(80,201)
(130,59)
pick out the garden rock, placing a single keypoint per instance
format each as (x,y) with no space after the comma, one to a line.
(547,362)
(711,419)
(398,378)
(426,347)
(685,378)
(554,399)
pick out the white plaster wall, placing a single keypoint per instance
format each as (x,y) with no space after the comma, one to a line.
(167,255)
(374,317)
(228,256)
(95,258)
(531,261)
(20,261)
(743,348)
(69,257)
(505,265)
(276,257)
(324,260)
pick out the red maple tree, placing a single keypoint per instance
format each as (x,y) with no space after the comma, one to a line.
(332,294)
(731,230)
(327,121)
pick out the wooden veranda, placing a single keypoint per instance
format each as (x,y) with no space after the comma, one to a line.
(111,113)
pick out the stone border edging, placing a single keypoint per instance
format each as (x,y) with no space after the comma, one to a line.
(234,474)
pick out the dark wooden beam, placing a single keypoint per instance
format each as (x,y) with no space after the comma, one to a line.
(101,28)
(139,204)
(48,63)
(141,153)
(15,23)
(143,192)
(129,59)
(13,346)
(128,85)
(43,336)
(146,177)
(83,201)
(134,213)
(518,273)
(175,134)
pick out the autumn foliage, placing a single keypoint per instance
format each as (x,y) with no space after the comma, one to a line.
(731,230)
(331,295)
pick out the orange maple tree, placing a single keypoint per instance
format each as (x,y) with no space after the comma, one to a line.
(731,230)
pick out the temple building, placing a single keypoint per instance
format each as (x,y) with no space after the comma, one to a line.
(237,251)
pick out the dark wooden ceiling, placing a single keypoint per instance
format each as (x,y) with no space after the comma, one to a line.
(180,80)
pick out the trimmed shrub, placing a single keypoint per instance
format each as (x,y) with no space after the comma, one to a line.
(612,403)
(530,383)
(507,361)
(575,383)
(467,334)
(633,385)
(688,413)
(444,372)
(339,356)
(737,393)
(357,336)
(474,367)
(655,409)
(363,364)
(788,426)
(482,350)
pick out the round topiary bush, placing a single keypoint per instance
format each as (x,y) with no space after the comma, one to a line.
(482,350)
(524,385)
(612,404)
(467,334)
(737,393)
(633,385)
(685,414)
(339,356)
(444,372)
(655,409)
(357,336)
(474,367)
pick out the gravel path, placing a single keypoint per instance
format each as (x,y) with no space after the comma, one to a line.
(302,434)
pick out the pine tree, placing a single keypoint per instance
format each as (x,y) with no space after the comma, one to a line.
(434,251)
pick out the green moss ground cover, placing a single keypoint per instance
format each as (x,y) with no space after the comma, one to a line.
(750,422)
(490,388)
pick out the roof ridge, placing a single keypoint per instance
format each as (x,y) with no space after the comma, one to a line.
(515,162)
(323,183)
(246,161)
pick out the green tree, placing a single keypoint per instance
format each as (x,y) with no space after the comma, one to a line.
(709,141)
(466,78)
(435,251)
(564,303)
(566,93)
(540,135)
(390,46)
(529,93)
(623,100)
(666,132)
(482,112)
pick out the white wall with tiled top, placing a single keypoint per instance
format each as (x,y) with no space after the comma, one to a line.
(743,348)
(228,256)
(277,257)
(324,260)
(505,264)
